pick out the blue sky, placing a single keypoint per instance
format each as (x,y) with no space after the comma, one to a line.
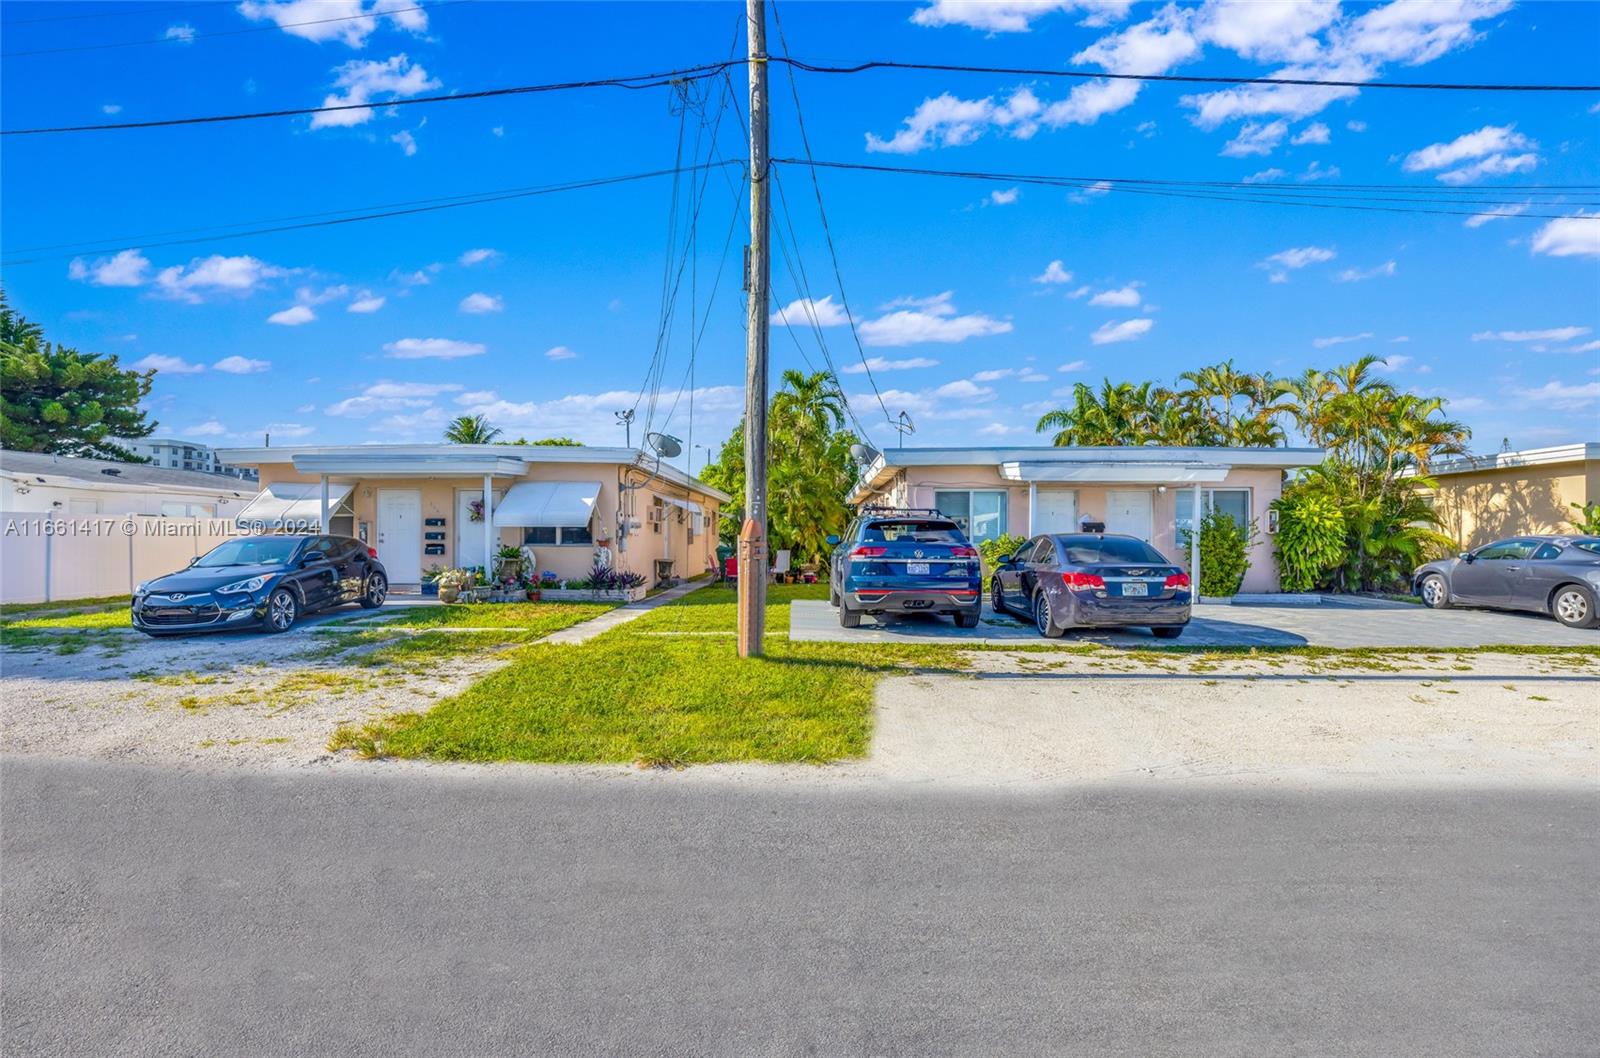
(977,301)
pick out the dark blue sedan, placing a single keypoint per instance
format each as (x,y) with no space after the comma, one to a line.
(894,561)
(1092,580)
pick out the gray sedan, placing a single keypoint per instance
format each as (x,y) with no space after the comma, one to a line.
(1555,575)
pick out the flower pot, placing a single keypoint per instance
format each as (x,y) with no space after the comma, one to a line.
(533,594)
(430,587)
(448,594)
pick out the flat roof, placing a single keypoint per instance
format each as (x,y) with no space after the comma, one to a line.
(108,473)
(1527,457)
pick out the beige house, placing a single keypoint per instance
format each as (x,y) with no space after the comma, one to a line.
(425,505)
(1148,492)
(1485,498)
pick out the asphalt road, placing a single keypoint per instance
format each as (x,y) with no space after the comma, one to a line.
(160,912)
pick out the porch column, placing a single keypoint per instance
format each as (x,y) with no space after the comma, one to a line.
(323,527)
(1033,501)
(488,526)
(1194,542)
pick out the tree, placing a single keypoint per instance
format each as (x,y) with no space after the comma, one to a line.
(56,399)
(470,430)
(550,442)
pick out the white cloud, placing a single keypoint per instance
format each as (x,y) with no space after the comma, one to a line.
(361,80)
(993,376)
(1393,363)
(804,312)
(1266,32)
(1006,197)
(879,364)
(1255,138)
(1032,376)
(946,121)
(1478,220)
(209,428)
(1000,429)
(129,268)
(1053,273)
(1074,366)
(388,396)
(432,348)
(1316,132)
(215,274)
(1265,176)
(1315,171)
(180,32)
(1494,165)
(419,278)
(1563,397)
(588,416)
(1489,145)
(172,365)
(559,352)
(111,108)
(1574,236)
(476,304)
(291,430)
(1551,334)
(1123,298)
(1341,339)
(1295,258)
(1013,16)
(481,255)
(499,131)
(407,142)
(1358,275)
(963,389)
(340,20)
(242,365)
(365,303)
(1356,126)
(293,316)
(1126,331)
(932,319)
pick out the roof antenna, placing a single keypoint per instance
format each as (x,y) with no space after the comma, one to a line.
(267,440)
(903,425)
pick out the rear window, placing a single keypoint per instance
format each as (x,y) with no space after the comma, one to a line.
(912,531)
(1591,546)
(1086,551)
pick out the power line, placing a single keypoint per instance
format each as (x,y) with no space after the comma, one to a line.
(631,82)
(227,32)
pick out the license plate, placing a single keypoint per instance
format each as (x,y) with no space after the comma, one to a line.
(1135,587)
(917,569)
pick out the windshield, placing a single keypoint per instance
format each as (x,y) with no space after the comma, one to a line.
(251,551)
(1091,550)
(912,532)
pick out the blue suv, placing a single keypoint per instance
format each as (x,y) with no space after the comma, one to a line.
(899,560)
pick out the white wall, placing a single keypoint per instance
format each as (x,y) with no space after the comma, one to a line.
(42,499)
(86,557)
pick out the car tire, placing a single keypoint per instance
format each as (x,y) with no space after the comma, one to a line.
(848,618)
(1168,631)
(1043,620)
(1573,605)
(377,590)
(1435,592)
(968,620)
(997,598)
(833,595)
(283,610)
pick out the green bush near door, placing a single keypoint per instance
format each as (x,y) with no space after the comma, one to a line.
(1224,553)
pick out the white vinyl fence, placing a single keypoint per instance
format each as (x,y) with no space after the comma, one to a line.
(46,558)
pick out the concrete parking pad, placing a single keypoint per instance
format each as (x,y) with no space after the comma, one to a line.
(1221,626)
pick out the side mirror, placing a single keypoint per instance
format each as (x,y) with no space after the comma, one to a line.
(312,556)
(1465,556)
(193,560)
(833,539)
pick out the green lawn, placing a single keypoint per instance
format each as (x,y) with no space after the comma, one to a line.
(92,619)
(12,610)
(540,617)
(636,696)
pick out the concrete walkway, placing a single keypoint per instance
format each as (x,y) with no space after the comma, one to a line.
(582,633)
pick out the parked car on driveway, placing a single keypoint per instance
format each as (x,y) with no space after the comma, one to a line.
(1555,575)
(1092,580)
(895,561)
(261,581)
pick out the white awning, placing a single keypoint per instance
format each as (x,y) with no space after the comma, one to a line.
(1151,473)
(688,505)
(547,504)
(292,505)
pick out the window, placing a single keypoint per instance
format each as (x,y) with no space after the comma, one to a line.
(1547,551)
(1507,549)
(980,514)
(550,536)
(1043,551)
(911,531)
(1235,503)
(1092,550)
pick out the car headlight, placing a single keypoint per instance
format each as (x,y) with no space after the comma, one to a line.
(142,588)
(252,585)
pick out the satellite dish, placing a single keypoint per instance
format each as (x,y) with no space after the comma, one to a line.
(666,446)
(863,453)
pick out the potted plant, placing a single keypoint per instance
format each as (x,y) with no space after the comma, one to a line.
(509,562)
(452,582)
(430,579)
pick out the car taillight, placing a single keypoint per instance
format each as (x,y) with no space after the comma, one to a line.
(869,552)
(372,552)
(1081,581)
(963,552)
(1177,580)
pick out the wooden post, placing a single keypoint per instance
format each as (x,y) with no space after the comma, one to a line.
(753,534)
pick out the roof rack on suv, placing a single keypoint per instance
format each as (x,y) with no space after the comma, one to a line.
(914,512)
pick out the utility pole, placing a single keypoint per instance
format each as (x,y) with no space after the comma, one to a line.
(753,534)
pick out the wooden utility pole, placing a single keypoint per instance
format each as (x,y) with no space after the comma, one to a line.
(753,534)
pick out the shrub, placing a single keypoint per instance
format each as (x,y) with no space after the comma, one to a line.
(1311,540)
(1224,553)
(1588,520)
(996,549)
(602,578)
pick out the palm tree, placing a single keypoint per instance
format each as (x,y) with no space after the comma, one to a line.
(470,430)
(1120,414)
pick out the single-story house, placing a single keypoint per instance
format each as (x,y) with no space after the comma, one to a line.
(455,505)
(1485,498)
(67,486)
(1149,492)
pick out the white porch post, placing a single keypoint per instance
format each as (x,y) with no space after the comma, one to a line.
(488,526)
(1033,501)
(1194,541)
(323,527)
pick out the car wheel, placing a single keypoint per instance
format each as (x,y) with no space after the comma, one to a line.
(968,619)
(997,598)
(833,595)
(847,617)
(1042,618)
(1435,592)
(377,591)
(1573,606)
(1169,631)
(283,609)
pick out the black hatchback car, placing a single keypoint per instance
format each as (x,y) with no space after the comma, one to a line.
(1094,580)
(263,582)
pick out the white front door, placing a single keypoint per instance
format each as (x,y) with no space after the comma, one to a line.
(400,534)
(1129,513)
(1057,511)
(469,534)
